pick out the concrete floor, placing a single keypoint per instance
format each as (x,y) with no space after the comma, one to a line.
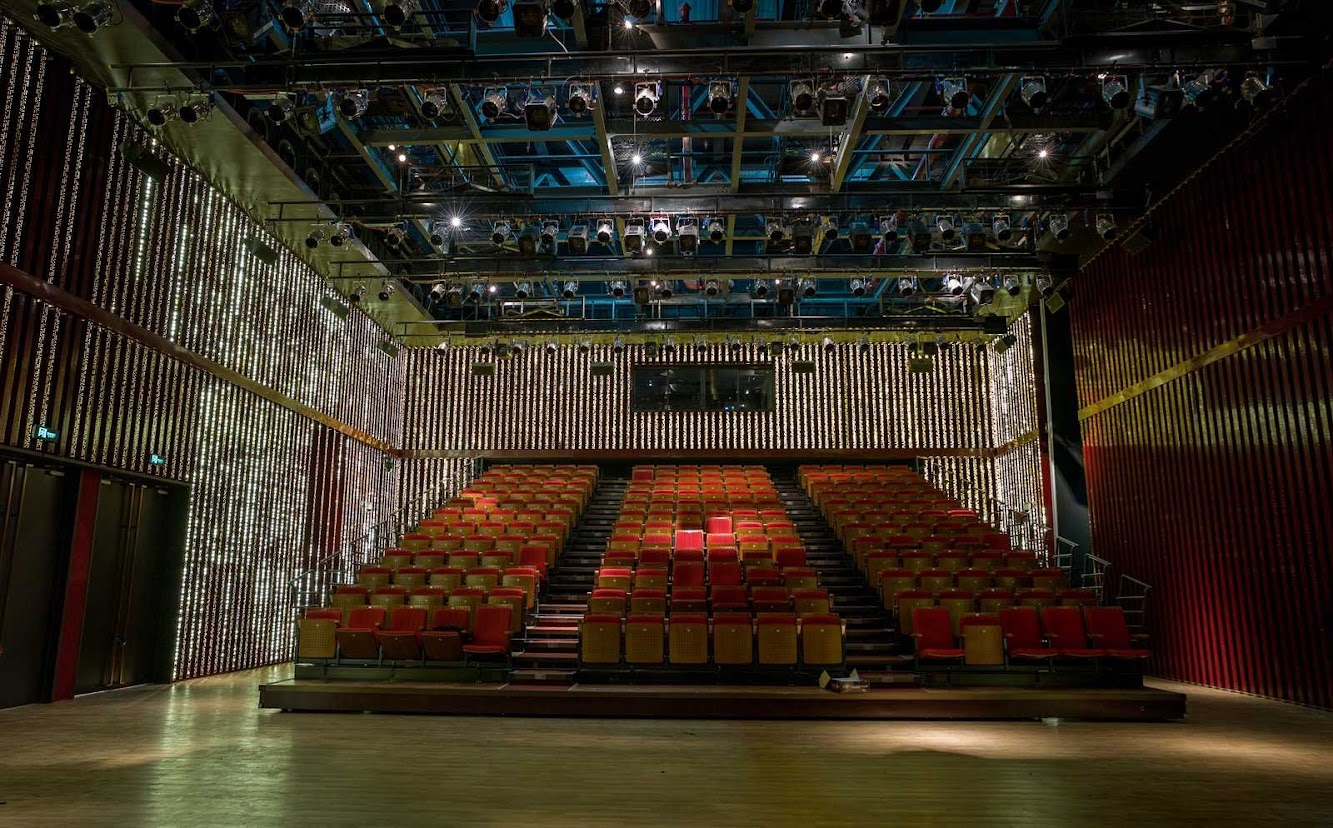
(201,753)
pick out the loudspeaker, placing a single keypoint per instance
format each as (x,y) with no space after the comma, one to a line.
(786,295)
(802,367)
(920,365)
(388,348)
(1055,303)
(642,295)
(143,160)
(260,250)
(334,307)
(483,369)
(1138,241)
(601,369)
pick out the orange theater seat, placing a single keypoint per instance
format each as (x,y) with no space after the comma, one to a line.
(729,598)
(770,599)
(607,602)
(648,602)
(599,639)
(687,574)
(821,640)
(643,639)
(724,574)
(777,639)
(688,638)
(490,632)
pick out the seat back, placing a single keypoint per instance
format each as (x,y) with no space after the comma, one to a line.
(800,577)
(316,637)
(687,574)
(993,600)
(615,578)
(492,625)
(936,580)
(407,619)
(648,602)
(729,597)
(599,639)
(643,639)
(983,644)
(1064,627)
(908,602)
(770,599)
(366,618)
(733,639)
(650,577)
(1020,627)
(1038,598)
(482,577)
(688,638)
(724,574)
(777,639)
(1077,598)
(933,628)
(956,602)
(1047,579)
(448,578)
(512,598)
(607,602)
(689,599)
(973,579)
(427,597)
(451,618)
(821,640)
(523,578)
(810,602)
(410,576)
(469,599)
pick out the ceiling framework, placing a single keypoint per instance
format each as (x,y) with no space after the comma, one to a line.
(623,144)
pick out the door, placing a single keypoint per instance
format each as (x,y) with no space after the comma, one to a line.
(36,515)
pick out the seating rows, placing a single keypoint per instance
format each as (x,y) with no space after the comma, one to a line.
(727,639)
(1024,634)
(410,633)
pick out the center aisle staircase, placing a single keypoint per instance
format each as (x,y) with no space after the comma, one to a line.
(549,652)
(871,639)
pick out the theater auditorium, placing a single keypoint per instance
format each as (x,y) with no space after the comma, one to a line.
(651,412)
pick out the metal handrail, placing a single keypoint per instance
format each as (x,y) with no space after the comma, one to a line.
(1094,575)
(1134,603)
(1065,550)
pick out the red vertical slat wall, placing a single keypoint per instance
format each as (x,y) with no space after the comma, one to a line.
(1216,487)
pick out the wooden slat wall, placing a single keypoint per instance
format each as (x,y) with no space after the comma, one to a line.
(271,490)
(1215,486)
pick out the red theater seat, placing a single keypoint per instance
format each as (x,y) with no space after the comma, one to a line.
(933,631)
(1107,629)
(400,639)
(490,634)
(724,574)
(689,599)
(1064,628)
(1022,635)
(729,598)
(444,640)
(687,574)
(356,639)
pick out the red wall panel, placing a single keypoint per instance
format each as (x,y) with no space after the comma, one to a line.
(1215,487)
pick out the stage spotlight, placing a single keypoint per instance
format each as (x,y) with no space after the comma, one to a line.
(742,6)
(522,290)
(1106,227)
(833,107)
(717,231)
(735,343)
(617,289)
(807,287)
(197,14)
(474,294)
(945,225)
(353,103)
(1059,224)
(438,292)
(930,284)
(1198,90)
(439,233)
(859,236)
(529,239)
(398,12)
(55,15)
(90,17)
(829,9)
(550,232)
(1255,92)
(358,293)
(700,344)
(974,236)
(632,238)
(802,97)
(776,347)
(858,287)
(490,10)
(828,229)
(618,345)
(500,233)
(775,230)
(955,93)
(646,96)
(605,231)
(193,110)
(342,233)
(395,237)
(578,100)
(919,234)
(434,105)
(386,290)
(953,285)
(665,290)
(551,346)
(569,290)
(661,230)
(564,9)
(877,94)
(539,110)
(161,113)
(295,13)
(1033,92)
(687,238)
(585,345)
(494,101)
(1011,286)
(906,286)
(280,109)
(712,287)
(577,240)
(888,228)
(981,292)
(1115,91)
(719,97)
(1001,228)
(828,344)
(802,238)
(530,18)
(760,290)
(313,239)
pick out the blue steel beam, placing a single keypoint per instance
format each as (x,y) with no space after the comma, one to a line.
(970,146)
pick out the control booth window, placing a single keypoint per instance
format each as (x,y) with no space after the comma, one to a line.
(702,388)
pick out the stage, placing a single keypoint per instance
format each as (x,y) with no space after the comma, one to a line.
(721,702)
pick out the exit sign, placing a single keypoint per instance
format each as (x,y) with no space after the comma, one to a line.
(156,460)
(44,433)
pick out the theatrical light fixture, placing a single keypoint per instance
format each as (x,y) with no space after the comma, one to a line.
(358,293)
(193,110)
(974,236)
(577,240)
(955,93)
(859,235)
(760,290)
(700,343)
(829,9)
(828,344)
(55,15)
(530,18)
(552,346)
(802,97)
(661,230)
(295,13)
(490,10)
(617,289)
(953,285)
(816,157)
(1033,92)
(807,287)
(500,233)
(1106,226)
(398,12)
(493,101)
(633,237)
(196,14)
(529,239)
(833,107)
(775,230)
(1011,286)
(1115,91)
(585,345)
(735,343)
(712,287)
(578,100)
(1198,90)
(162,113)
(539,110)
(888,228)
(1059,224)
(919,234)
(687,238)
(90,17)
(803,237)
(550,232)
(742,6)
(342,232)
(313,239)
(636,159)
(455,221)
(665,290)
(946,227)
(395,237)
(280,109)
(877,94)
(570,288)
(982,292)
(1255,92)
(717,231)
(828,229)
(858,287)
(522,290)
(906,286)
(618,345)
(474,294)
(386,290)
(438,291)
(564,9)
(719,97)
(353,103)
(434,105)
(646,96)
(605,231)
(1000,226)
(438,233)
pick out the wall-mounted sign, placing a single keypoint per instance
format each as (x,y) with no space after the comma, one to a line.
(156,460)
(44,433)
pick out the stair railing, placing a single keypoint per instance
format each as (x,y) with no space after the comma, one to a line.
(1095,571)
(1132,597)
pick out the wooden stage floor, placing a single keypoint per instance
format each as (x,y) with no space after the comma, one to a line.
(720,702)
